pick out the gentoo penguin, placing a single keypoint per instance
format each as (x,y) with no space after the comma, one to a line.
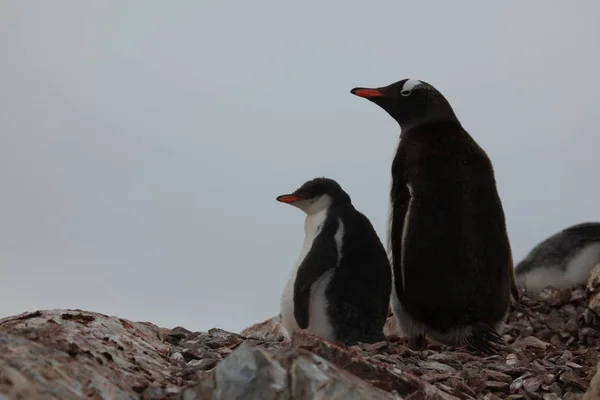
(450,253)
(340,286)
(562,260)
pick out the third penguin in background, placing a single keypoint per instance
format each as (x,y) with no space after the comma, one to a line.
(562,260)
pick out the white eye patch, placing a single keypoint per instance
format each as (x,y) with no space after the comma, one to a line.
(409,85)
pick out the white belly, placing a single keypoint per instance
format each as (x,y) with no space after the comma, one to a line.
(288,321)
(318,318)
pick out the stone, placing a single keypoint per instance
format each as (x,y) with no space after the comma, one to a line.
(593,392)
(531,342)
(270,329)
(532,384)
(550,396)
(73,354)
(252,373)
(593,290)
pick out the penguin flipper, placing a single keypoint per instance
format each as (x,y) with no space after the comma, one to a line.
(484,339)
(321,257)
(399,201)
(301,303)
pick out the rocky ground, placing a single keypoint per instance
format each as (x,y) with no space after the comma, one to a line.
(553,341)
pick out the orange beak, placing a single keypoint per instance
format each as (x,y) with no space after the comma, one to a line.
(288,198)
(366,93)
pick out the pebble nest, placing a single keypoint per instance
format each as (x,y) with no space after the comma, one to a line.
(552,352)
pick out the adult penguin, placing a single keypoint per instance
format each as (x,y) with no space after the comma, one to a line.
(450,252)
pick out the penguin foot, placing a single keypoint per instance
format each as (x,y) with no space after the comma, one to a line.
(417,343)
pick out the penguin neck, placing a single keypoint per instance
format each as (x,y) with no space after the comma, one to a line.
(429,116)
(405,127)
(314,222)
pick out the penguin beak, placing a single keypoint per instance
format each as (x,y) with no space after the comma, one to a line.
(288,198)
(366,92)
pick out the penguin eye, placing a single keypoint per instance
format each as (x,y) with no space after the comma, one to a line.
(405,93)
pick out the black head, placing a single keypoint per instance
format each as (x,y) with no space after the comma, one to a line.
(410,102)
(316,195)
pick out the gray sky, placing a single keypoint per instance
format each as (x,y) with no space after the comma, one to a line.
(143,143)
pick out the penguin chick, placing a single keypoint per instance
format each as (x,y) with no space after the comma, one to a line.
(562,260)
(450,253)
(340,286)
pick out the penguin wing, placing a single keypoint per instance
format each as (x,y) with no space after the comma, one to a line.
(400,200)
(321,257)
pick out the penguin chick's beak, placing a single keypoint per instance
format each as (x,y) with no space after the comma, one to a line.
(288,198)
(366,93)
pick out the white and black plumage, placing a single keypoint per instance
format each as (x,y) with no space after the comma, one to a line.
(340,287)
(562,260)
(448,244)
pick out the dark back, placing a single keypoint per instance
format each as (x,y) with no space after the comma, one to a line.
(363,255)
(456,240)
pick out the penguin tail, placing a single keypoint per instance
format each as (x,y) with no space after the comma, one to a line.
(484,339)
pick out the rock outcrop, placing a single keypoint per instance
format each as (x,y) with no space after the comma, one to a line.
(553,348)
(271,329)
(65,354)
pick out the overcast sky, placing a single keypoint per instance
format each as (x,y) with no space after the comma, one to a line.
(143,143)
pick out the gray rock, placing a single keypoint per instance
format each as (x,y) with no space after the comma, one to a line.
(270,329)
(73,354)
(252,373)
